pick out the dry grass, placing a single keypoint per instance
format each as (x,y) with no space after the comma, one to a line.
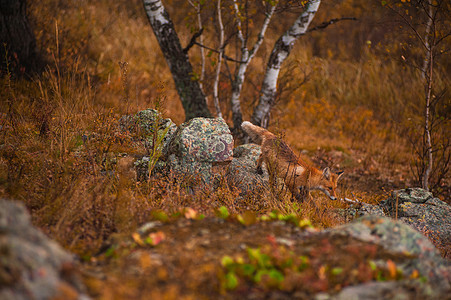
(61,150)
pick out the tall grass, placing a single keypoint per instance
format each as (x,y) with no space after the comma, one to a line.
(61,151)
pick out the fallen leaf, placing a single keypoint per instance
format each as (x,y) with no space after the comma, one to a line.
(137,238)
(322,272)
(391,268)
(155,238)
(415,274)
(190,213)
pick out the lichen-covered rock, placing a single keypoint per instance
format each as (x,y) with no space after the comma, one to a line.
(242,173)
(194,171)
(31,265)
(151,127)
(419,209)
(203,140)
(198,145)
(400,240)
(406,289)
(360,210)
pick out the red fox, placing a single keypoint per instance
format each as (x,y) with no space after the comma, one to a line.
(281,161)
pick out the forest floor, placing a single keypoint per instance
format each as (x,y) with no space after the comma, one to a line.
(182,256)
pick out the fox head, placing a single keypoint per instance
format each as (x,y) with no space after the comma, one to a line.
(327,183)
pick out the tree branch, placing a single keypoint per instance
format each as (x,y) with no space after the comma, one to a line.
(238,24)
(216,51)
(192,42)
(330,22)
(408,23)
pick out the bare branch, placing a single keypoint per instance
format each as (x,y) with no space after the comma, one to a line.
(261,34)
(238,23)
(406,21)
(216,51)
(192,42)
(330,22)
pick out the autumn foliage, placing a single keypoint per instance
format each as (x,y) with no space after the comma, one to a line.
(345,100)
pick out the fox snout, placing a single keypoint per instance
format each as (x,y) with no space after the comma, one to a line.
(329,182)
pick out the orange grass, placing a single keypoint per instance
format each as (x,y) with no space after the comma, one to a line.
(61,150)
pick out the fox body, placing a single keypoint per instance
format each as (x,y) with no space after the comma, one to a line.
(282,162)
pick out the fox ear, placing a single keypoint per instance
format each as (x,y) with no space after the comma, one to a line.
(326,173)
(339,174)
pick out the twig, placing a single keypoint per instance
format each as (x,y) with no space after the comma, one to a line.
(355,201)
(349,200)
(330,22)
(397,203)
(216,51)
(192,42)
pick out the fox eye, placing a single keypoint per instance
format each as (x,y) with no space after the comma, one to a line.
(330,188)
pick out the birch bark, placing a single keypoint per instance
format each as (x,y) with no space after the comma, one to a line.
(428,62)
(191,95)
(246,57)
(218,65)
(280,52)
(197,6)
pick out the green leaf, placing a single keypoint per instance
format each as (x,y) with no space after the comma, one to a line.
(226,261)
(110,251)
(231,281)
(288,218)
(248,269)
(337,271)
(372,265)
(265,218)
(305,223)
(304,262)
(160,215)
(263,260)
(258,276)
(223,212)
(276,274)
(380,276)
(273,215)
(253,253)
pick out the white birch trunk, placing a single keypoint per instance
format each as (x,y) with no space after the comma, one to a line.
(427,130)
(218,66)
(428,69)
(280,52)
(246,57)
(197,7)
(424,69)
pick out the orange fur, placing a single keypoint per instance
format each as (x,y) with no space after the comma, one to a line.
(280,160)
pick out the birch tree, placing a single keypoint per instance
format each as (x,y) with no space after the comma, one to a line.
(219,63)
(431,29)
(198,7)
(246,57)
(191,95)
(181,68)
(280,52)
